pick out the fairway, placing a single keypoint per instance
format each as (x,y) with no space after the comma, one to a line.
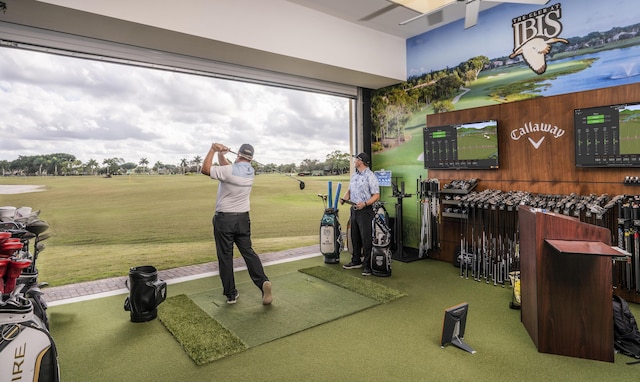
(629,131)
(103,226)
(478,143)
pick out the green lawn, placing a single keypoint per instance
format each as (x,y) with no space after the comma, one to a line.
(101,227)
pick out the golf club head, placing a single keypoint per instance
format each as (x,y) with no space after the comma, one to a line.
(43,237)
(301,185)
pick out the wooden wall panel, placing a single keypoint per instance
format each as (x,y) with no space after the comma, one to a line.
(547,169)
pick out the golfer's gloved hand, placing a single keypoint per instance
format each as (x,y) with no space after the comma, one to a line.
(219,147)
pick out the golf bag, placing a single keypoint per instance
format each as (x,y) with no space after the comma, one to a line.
(330,236)
(146,293)
(625,329)
(27,351)
(381,250)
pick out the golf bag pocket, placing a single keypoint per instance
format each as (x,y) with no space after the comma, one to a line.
(381,261)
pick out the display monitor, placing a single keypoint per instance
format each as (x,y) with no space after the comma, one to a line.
(607,136)
(471,145)
(453,327)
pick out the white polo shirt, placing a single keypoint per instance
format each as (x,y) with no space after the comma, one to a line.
(234,188)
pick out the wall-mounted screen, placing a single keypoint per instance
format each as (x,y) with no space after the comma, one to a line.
(472,145)
(608,136)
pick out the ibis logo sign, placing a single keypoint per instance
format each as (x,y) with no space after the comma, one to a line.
(535,128)
(533,34)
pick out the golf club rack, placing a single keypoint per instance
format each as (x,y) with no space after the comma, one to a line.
(27,350)
(331,242)
(488,249)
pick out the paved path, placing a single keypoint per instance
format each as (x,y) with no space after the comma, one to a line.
(114,286)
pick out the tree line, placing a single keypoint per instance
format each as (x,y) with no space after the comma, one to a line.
(63,164)
(391,107)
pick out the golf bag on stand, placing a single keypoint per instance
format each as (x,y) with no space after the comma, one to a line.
(381,250)
(331,243)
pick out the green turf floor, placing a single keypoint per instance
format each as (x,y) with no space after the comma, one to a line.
(398,341)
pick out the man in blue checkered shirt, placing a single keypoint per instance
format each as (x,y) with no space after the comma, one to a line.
(363,191)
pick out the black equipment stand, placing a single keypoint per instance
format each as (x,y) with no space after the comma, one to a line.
(399,252)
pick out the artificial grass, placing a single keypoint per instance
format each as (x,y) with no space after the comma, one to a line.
(202,337)
(205,325)
(399,341)
(366,288)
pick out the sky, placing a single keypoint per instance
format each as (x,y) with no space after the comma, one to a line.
(492,36)
(98,110)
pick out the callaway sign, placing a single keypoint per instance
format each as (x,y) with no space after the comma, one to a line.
(530,127)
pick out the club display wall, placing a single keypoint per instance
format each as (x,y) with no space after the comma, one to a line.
(541,163)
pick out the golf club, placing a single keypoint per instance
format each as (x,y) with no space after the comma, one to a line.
(302,185)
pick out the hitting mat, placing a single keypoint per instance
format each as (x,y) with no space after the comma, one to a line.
(209,329)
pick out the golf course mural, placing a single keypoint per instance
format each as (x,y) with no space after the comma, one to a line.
(516,52)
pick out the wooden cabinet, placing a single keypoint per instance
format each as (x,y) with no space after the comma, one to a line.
(566,286)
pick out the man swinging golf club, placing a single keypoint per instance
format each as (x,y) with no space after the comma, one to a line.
(231,223)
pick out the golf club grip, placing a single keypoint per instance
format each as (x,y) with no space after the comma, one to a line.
(335,201)
(348,202)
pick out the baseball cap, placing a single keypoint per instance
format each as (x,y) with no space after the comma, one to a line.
(246,151)
(363,157)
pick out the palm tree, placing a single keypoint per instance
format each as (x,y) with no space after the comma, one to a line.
(40,161)
(157,167)
(5,166)
(54,161)
(143,162)
(197,160)
(112,165)
(184,163)
(92,164)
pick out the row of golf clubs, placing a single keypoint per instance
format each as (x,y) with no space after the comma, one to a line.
(489,238)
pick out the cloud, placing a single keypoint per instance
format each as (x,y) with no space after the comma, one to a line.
(97,110)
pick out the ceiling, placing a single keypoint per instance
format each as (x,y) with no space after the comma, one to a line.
(381,15)
(386,16)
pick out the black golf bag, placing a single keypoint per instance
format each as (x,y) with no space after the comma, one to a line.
(381,250)
(330,236)
(146,293)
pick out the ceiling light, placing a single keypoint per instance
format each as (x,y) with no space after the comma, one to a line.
(423,6)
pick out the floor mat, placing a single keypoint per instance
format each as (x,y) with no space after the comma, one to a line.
(300,302)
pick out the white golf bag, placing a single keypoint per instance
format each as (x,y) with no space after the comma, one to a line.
(331,244)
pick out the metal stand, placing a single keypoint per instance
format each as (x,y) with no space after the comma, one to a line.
(399,251)
(458,342)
